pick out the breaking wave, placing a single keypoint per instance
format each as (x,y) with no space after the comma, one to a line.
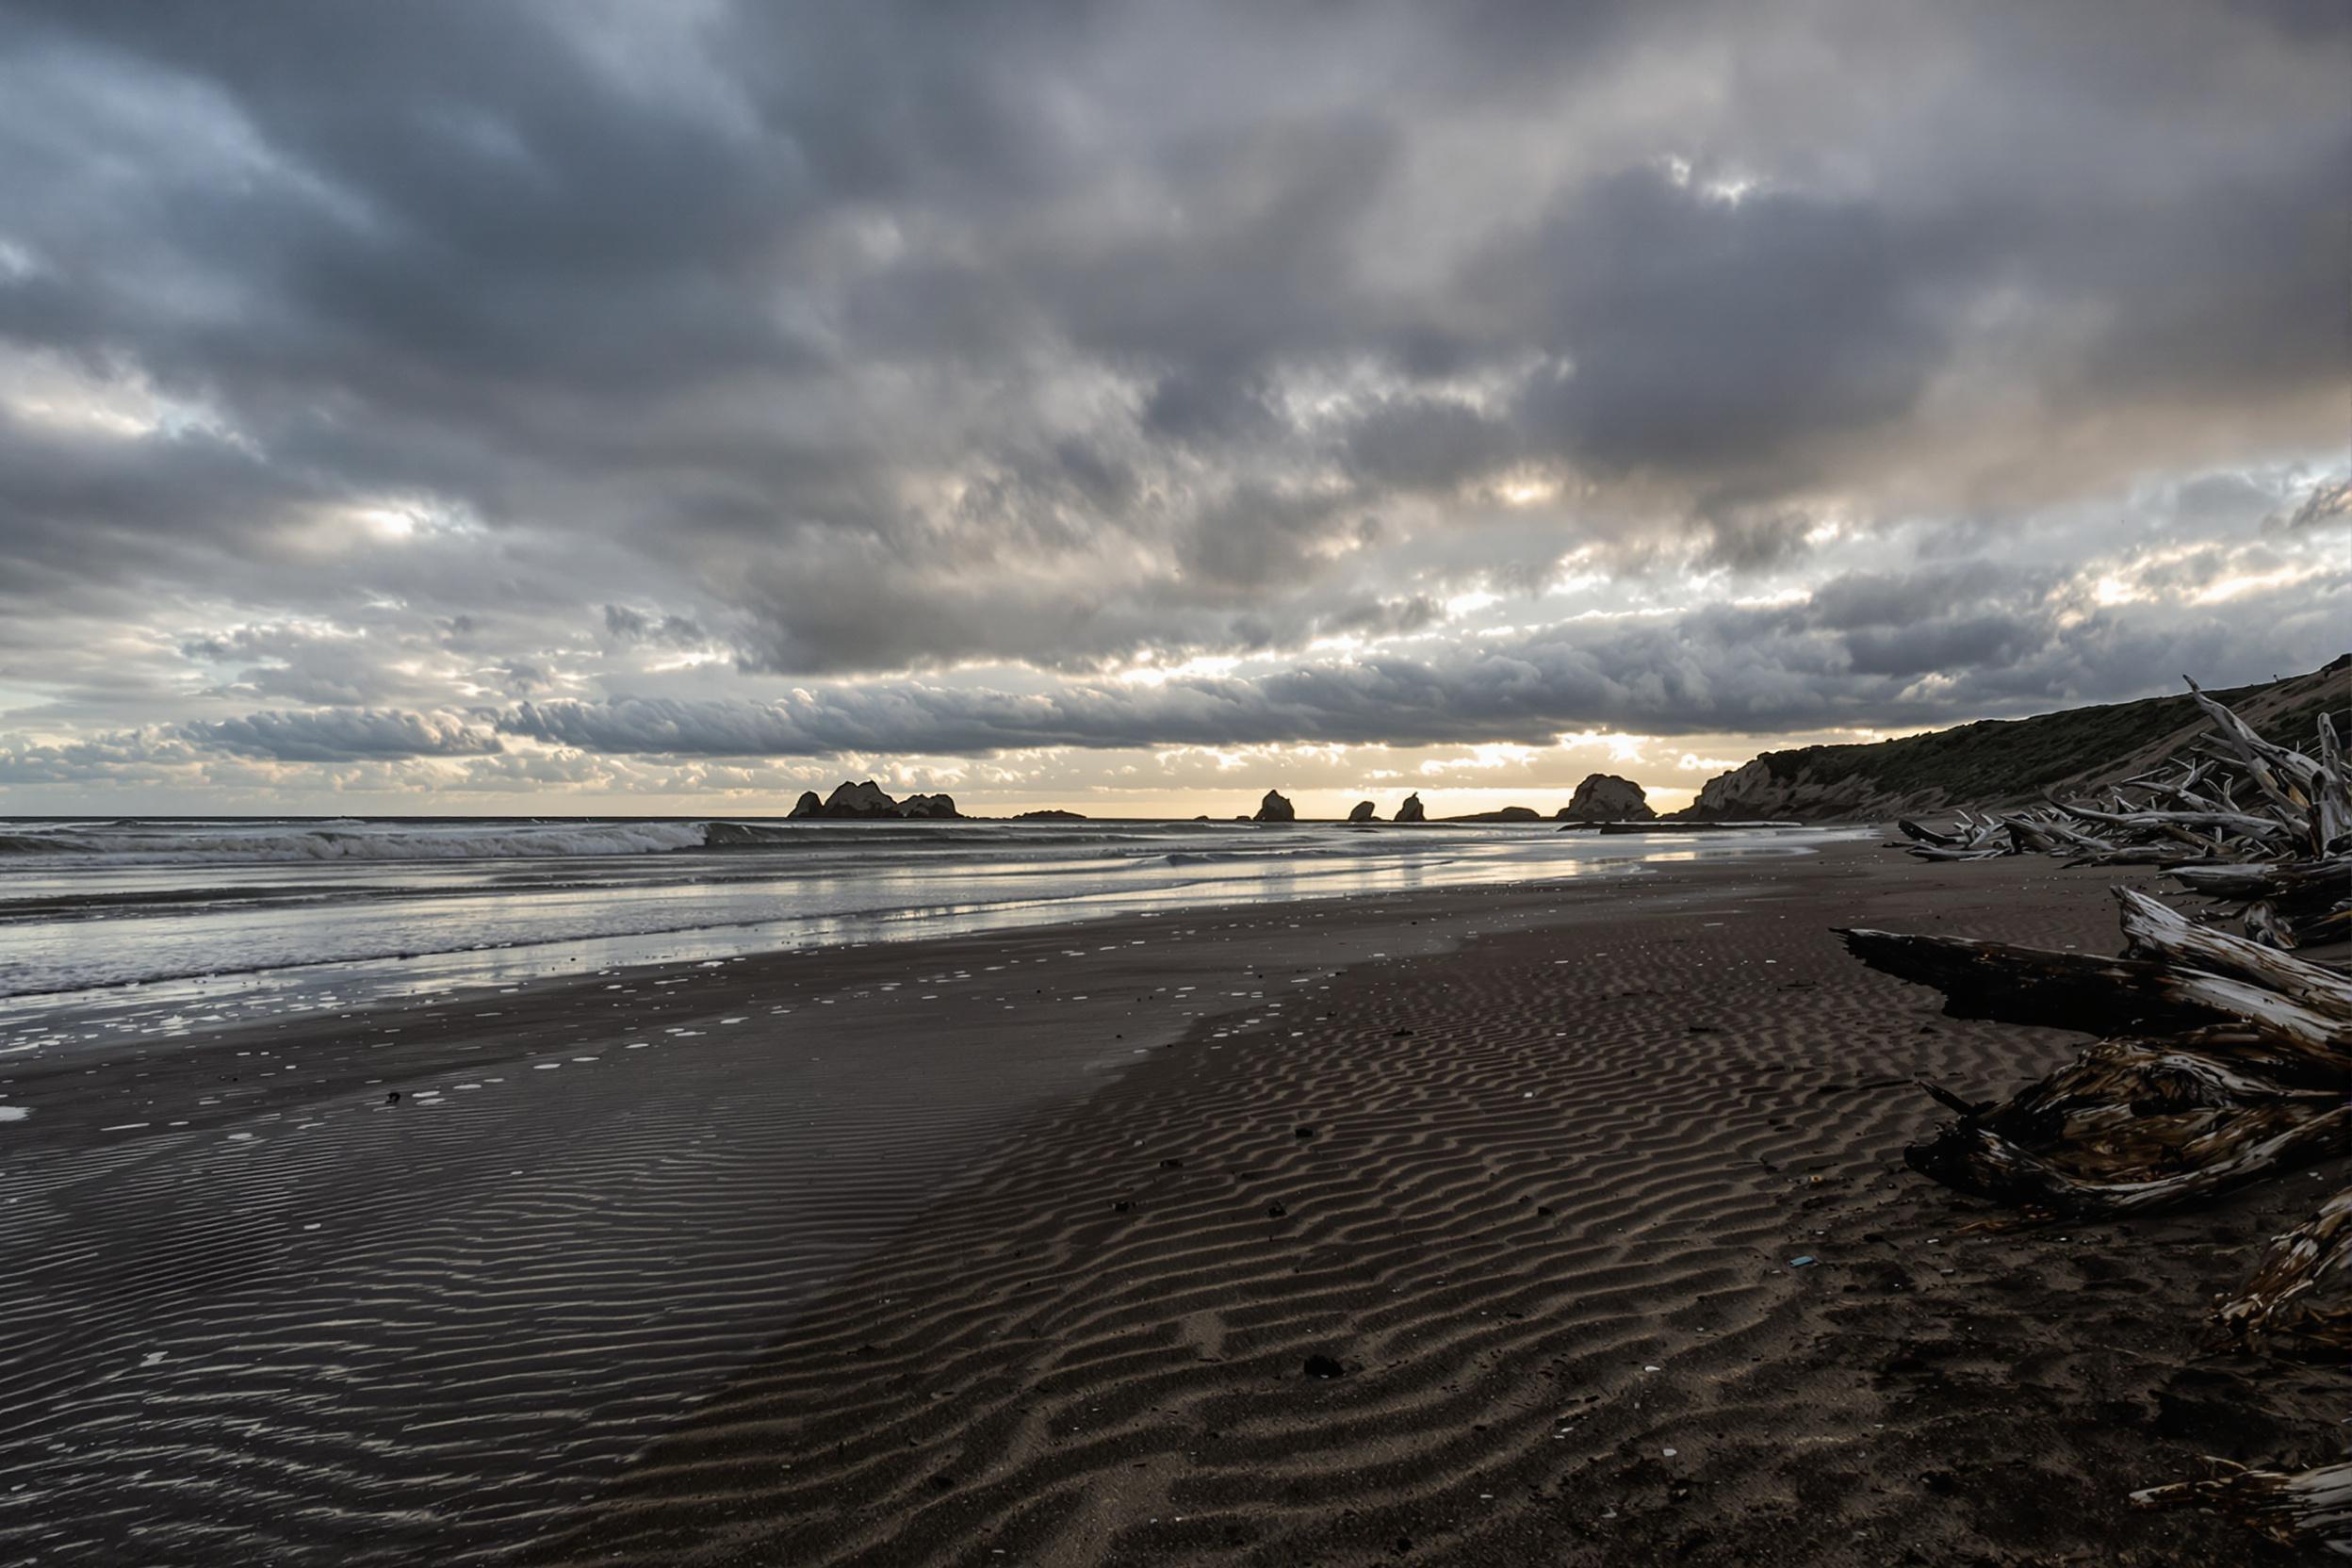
(343,839)
(218,843)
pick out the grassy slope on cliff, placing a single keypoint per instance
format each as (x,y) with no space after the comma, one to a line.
(2001,762)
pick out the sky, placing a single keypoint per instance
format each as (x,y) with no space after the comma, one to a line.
(615,407)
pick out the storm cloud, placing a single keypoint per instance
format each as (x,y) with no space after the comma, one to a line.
(444,380)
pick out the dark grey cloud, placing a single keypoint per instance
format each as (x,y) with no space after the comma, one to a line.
(1719,333)
(1921,649)
(1428,444)
(2329,502)
(639,626)
(515,346)
(342,735)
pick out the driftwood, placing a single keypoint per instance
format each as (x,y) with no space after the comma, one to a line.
(2193,983)
(2265,826)
(2313,1508)
(2168,937)
(2227,1062)
(2035,985)
(2225,1058)
(2157,1162)
(2299,1302)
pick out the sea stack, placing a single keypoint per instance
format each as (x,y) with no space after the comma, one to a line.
(1606,798)
(868,802)
(1411,810)
(860,800)
(1274,808)
(1363,812)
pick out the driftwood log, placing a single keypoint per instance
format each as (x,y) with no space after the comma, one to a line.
(2239,819)
(2227,1061)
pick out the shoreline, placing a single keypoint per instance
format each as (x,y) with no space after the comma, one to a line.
(876,1267)
(237,949)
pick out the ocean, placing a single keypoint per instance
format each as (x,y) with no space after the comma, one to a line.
(166,925)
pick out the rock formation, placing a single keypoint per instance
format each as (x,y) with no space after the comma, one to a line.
(860,800)
(1606,798)
(868,802)
(1056,814)
(1411,809)
(1363,812)
(1761,789)
(1506,813)
(1274,808)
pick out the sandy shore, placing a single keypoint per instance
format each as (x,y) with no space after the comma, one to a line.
(1022,1246)
(1539,1200)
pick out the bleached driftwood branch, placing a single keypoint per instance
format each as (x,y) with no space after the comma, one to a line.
(2251,822)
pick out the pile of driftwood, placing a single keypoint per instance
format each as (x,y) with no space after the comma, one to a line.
(2223,1061)
(2238,819)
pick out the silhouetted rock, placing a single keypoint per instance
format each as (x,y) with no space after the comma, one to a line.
(860,800)
(868,802)
(1056,815)
(1411,810)
(1606,798)
(1274,808)
(1507,813)
(1363,812)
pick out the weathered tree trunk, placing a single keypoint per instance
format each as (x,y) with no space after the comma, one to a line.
(2318,882)
(2035,985)
(2169,937)
(2113,996)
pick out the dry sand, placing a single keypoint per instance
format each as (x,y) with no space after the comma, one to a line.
(1530,1166)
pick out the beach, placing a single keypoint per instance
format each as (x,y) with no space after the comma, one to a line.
(1527,1221)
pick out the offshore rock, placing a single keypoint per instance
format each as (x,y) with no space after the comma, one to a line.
(1606,798)
(1274,808)
(869,802)
(1363,812)
(1411,810)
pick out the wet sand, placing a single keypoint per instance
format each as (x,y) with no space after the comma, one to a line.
(1019,1246)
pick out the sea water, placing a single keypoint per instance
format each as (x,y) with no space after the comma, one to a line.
(173,924)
